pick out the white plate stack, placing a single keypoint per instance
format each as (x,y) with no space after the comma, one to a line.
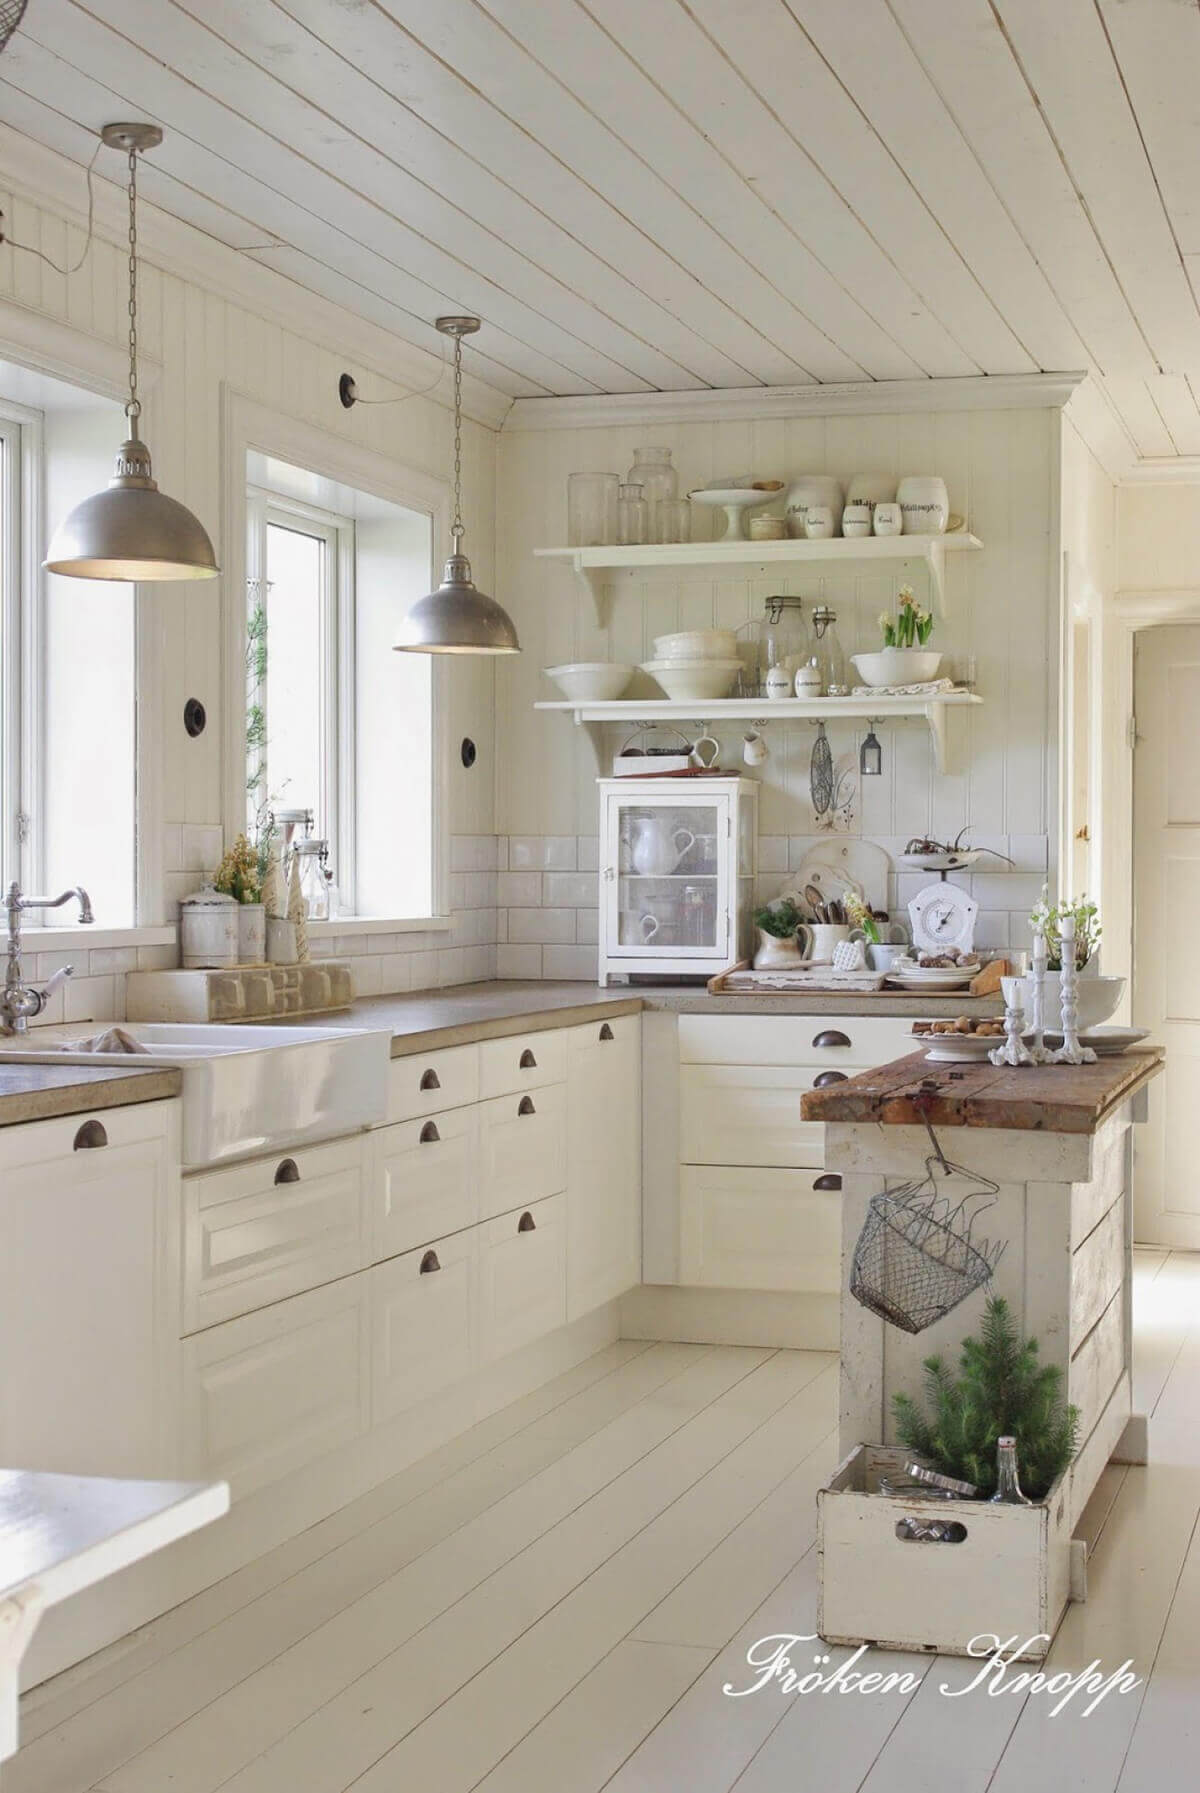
(933,979)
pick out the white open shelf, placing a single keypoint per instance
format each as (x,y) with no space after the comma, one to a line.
(713,711)
(594,567)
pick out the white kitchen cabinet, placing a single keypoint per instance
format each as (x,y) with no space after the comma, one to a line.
(424,1180)
(424,1083)
(270,1228)
(424,1320)
(522,1277)
(677,868)
(748,1114)
(743,1228)
(832,1042)
(522,1149)
(604,1162)
(522,1061)
(267,1393)
(89,1277)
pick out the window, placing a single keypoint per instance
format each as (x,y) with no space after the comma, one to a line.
(336,722)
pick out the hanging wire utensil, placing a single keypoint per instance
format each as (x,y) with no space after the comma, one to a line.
(11,13)
(916,1258)
(820,774)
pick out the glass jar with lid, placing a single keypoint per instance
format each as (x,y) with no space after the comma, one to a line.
(633,516)
(652,470)
(828,653)
(784,637)
(311,856)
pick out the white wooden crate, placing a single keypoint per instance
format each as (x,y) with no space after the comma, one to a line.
(1009,1574)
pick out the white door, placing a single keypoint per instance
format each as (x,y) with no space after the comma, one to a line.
(1166,971)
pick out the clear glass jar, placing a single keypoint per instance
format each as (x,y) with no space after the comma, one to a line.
(633,516)
(311,856)
(652,470)
(673,520)
(828,653)
(784,638)
(591,509)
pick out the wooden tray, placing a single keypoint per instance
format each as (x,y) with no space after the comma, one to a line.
(741,979)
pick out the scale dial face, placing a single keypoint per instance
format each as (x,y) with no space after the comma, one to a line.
(943,916)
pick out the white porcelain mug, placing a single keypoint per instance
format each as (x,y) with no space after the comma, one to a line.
(818,939)
(754,749)
(856,518)
(818,521)
(888,520)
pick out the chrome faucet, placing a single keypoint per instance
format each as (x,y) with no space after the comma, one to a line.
(20,1001)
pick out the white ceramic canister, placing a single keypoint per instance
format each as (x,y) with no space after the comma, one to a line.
(811,488)
(252,934)
(808,680)
(856,517)
(778,682)
(925,504)
(208,929)
(888,520)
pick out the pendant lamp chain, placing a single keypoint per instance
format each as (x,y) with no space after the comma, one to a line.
(456,528)
(133,408)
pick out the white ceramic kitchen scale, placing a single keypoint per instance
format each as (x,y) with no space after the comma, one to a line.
(943,918)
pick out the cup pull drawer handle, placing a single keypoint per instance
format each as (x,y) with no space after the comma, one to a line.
(930,1531)
(429,1134)
(525,1105)
(288,1172)
(831,1036)
(430,1262)
(527,1224)
(430,1080)
(527,1061)
(90,1136)
(830,1180)
(828,1077)
(606,1032)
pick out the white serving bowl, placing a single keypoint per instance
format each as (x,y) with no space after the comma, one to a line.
(591,681)
(1096,997)
(688,681)
(697,644)
(898,666)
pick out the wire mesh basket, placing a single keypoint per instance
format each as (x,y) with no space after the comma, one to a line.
(915,1259)
(11,14)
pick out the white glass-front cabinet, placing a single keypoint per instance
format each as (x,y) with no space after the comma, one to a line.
(677,865)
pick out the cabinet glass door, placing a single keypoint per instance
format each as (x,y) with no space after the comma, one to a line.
(670,879)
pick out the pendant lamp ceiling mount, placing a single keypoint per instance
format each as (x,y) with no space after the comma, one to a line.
(136,137)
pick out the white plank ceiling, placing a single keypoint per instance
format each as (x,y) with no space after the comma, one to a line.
(641,195)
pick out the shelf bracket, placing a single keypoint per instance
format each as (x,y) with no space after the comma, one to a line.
(935,716)
(935,556)
(591,581)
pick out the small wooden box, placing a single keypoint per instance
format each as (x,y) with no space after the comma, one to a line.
(1009,1575)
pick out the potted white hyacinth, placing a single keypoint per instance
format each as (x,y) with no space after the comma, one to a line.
(904,659)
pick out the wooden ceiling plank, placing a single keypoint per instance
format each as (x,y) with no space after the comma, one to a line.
(1140,415)
(694,280)
(47,78)
(374,144)
(704,82)
(1065,54)
(1157,44)
(249,158)
(776,58)
(870,55)
(508,77)
(807,311)
(965,54)
(1176,403)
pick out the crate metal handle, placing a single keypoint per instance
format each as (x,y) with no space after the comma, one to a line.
(912,1530)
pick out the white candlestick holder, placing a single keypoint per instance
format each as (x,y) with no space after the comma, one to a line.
(1070,1052)
(1039,1052)
(1014,1051)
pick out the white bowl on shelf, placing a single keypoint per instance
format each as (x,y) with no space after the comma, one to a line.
(591,681)
(898,666)
(735,501)
(691,681)
(1096,998)
(697,644)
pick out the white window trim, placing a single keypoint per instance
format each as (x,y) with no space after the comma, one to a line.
(21,496)
(248,425)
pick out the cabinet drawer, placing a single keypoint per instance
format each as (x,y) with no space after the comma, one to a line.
(424,1315)
(270,1392)
(524,1061)
(425,1083)
(271,1228)
(759,1229)
(621,1032)
(424,1181)
(522,1149)
(522,1278)
(748,1114)
(860,1040)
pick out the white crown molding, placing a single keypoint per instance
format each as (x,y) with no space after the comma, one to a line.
(1101,428)
(46,178)
(1005,392)
(1162,470)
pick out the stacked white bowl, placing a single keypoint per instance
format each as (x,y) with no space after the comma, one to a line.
(695,663)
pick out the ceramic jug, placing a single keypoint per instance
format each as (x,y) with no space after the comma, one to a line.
(818,939)
(657,848)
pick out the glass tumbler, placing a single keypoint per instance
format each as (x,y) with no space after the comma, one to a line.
(633,517)
(673,520)
(591,509)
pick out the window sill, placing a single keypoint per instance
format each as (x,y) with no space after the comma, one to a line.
(49,940)
(378,924)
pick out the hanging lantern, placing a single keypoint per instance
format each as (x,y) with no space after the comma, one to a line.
(870,755)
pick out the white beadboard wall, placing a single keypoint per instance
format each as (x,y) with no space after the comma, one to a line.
(1003,473)
(202,343)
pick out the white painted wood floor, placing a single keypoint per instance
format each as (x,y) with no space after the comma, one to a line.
(553,1603)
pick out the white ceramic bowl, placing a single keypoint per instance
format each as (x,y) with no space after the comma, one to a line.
(1097,998)
(687,681)
(898,666)
(697,644)
(591,681)
(871,488)
(925,504)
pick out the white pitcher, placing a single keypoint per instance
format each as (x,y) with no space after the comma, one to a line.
(657,848)
(818,939)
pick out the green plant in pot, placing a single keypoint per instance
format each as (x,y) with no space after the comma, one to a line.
(1002,1390)
(778,947)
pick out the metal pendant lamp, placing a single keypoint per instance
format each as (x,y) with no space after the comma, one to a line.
(457,618)
(131,530)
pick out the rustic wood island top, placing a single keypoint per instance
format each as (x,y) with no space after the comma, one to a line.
(1050,1099)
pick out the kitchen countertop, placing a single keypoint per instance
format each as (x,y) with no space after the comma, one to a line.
(1034,1098)
(42,1092)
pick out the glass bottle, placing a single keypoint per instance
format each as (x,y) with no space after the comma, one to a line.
(673,520)
(1008,1488)
(633,516)
(652,470)
(827,650)
(591,509)
(784,638)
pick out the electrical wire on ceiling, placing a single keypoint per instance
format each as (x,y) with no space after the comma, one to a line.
(349,394)
(30,249)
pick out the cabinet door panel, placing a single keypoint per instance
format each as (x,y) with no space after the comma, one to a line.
(522,1278)
(424,1181)
(522,1149)
(758,1229)
(423,1322)
(604,1209)
(748,1114)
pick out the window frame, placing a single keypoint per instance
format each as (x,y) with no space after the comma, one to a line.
(21,587)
